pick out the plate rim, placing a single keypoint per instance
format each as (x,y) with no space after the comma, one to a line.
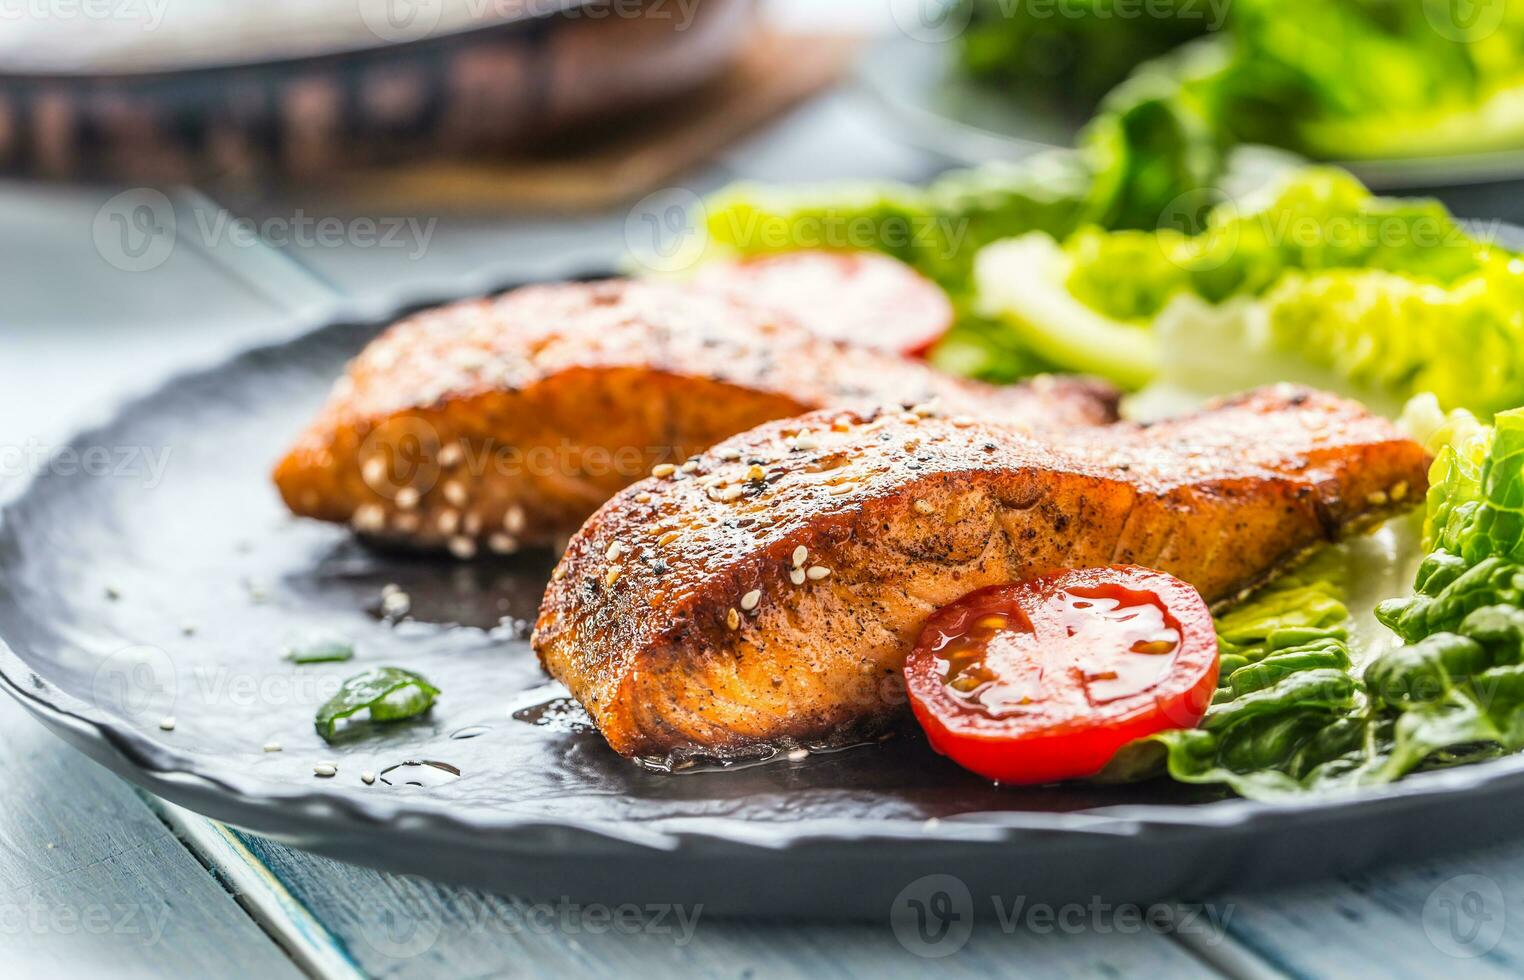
(260,802)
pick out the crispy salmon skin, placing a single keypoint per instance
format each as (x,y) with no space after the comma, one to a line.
(769,596)
(503,422)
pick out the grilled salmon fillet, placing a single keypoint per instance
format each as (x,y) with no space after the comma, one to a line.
(770,596)
(505,422)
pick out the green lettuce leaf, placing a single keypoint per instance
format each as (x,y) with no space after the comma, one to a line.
(1314,280)
(1078,57)
(1299,709)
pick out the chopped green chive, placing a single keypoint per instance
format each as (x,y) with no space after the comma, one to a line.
(388,693)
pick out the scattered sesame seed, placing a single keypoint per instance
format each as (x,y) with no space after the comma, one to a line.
(368,778)
(801,555)
(841,425)
(690,467)
(925,507)
(326,770)
(817,572)
(926,410)
(407,498)
(841,489)
(613,551)
(663,469)
(756,473)
(804,442)
(643,498)
(394,602)
(728,495)
(451,454)
(167,723)
(798,755)
(369,517)
(455,493)
(730,453)
(462,547)
(733,619)
(611,576)
(669,537)
(1400,490)
(273,747)
(1376,498)
(374,470)
(448,521)
(750,600)
(558,574)
(514,520)
(502,544)
(796,576)
(962,421)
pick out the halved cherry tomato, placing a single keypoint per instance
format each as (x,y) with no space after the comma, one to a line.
(1046,679)
(863,298)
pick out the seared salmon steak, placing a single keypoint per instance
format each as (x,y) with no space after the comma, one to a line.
(768,596)
(505,422)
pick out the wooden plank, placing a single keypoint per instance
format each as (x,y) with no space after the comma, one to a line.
(91,881)
(93,884)
(1458,915)
(404,926)
(307,941)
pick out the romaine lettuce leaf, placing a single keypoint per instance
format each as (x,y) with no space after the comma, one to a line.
(1078,57)
(1020,284)
(1315,280)
(1306,705)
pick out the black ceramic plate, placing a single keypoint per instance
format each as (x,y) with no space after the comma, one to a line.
(152,572)
(938,109)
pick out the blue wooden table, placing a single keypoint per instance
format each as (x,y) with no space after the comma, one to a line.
(97,878)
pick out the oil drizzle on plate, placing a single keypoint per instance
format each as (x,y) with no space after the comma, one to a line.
(559,715)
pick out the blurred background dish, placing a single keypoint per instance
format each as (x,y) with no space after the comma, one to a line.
(307,90)
(1412,94)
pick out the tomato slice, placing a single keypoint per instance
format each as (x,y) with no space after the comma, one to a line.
(863,298)
(1046,679)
